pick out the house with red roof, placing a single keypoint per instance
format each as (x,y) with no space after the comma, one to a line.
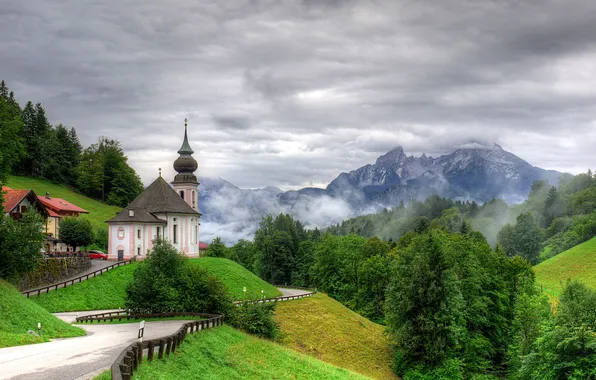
(57,208)
(17,202)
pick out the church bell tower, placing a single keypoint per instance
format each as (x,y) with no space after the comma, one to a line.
(185,182)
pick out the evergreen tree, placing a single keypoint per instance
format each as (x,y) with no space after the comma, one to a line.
(11,143)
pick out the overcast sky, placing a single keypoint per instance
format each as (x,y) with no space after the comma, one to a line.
(291,93)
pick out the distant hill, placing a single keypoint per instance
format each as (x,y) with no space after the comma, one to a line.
(324,328)
(577,263)
(19,315)
(99,212)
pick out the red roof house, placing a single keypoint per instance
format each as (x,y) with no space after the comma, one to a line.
(17,202)
(203,246)
(58,207)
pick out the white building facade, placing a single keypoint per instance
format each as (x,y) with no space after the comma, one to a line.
(161,210)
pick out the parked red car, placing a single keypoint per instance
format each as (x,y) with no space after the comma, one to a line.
(97,255)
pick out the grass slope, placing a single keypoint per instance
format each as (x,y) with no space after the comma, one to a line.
(235,277)
(577,263)
(98,212)
(18,315)
(108,291)
(322,327)
(225,353)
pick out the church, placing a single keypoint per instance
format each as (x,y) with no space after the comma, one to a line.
(170,212)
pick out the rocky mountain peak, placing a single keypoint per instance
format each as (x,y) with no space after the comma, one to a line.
(395,156)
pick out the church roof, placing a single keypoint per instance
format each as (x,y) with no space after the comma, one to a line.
(159,197)
(139,215)
(185,148)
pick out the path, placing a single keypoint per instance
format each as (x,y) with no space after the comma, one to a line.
(95,266)
(77,358)
(83,357)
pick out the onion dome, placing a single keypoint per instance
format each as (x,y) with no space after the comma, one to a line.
(185,165)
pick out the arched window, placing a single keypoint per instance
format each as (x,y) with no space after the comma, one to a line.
(175,233)
(194,200)
(182,193)
(120,233)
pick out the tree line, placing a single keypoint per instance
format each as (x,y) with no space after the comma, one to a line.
(454,307)
(32,147)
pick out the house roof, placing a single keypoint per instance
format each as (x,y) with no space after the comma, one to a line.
(60,205)
(13,197)
(139,215)
(203,245)
(53,213)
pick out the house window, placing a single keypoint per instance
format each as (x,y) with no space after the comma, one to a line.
(139,233)
(23,209)
(120,233)
(182,193)
(175,233)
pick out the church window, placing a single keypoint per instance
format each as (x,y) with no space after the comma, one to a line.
(182,193)
(158,231)
(131,212)
(139,233)
(175,233)
(196,234)
(138,251)
(193,200)
(120,233)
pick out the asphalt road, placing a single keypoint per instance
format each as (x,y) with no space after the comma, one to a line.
(76,358)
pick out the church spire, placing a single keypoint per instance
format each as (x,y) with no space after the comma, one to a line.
(185,148)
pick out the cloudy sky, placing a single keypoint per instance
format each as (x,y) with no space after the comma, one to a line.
(290,93)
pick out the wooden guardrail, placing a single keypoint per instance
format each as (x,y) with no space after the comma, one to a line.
(74,280)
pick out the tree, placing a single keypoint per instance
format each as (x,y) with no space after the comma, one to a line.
(76,232)
(36,136)
(216,249)
(20,244)
(11,142)
(524,239)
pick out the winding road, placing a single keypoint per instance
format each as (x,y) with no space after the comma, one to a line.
(82,357)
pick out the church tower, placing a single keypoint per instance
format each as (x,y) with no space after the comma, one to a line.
(185,182)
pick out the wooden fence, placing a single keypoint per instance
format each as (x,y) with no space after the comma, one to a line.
(79,279)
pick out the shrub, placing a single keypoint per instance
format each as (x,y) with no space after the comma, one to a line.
(200,291)
(255,318)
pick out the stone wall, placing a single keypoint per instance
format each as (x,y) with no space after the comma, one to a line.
(51,270)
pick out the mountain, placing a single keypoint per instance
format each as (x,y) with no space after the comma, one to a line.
(472,172)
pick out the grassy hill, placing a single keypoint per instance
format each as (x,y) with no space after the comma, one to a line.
(18,315)
(322,327)
(98,212)
(235,277)
(577,263)
(225,353)
(108,291)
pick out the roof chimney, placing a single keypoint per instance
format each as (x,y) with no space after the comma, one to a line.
(48,195)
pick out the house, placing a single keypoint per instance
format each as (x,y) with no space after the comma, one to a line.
(17,202)
(57,208)
(161,210)
(203,247)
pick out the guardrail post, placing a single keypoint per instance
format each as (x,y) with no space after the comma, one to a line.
(168,346)
(174,343)
(162,346)
(151,347)
(139,352)
(135,357)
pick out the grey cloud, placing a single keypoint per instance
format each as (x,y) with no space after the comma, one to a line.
(292,93)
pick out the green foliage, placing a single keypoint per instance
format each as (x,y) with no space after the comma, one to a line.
(19,315)
(76,232)
(524,239)
(11,125)
(566,347)
(103,173)
(216,249)
(449,301)
(20,244)
(256,319)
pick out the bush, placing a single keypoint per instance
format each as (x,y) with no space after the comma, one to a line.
(255,318)
(164,282)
